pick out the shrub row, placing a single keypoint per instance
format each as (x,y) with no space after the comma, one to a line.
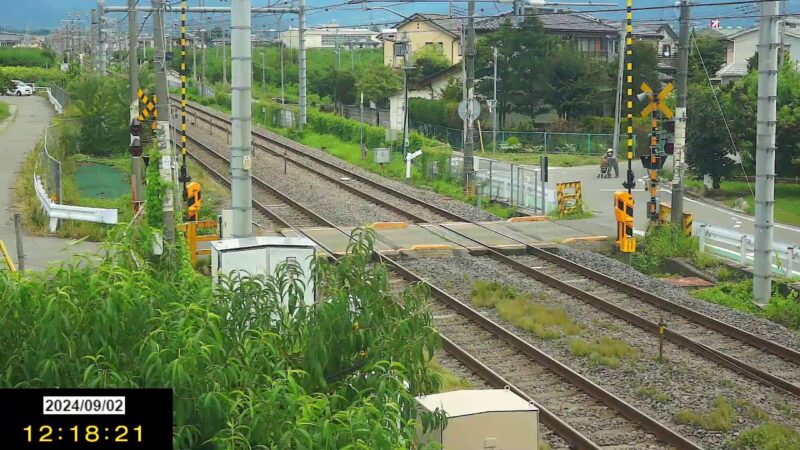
(346,129)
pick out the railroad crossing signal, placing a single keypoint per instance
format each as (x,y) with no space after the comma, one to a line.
(658,102)
(149,109)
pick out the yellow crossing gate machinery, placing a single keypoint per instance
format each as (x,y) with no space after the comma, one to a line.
(193,200)
(665,216)
(568,196)
(149,108)
(623,212)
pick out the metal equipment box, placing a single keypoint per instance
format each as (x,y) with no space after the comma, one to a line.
(483,419)
(383,155)
(262,255)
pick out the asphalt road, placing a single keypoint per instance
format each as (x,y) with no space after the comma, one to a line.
(18,137)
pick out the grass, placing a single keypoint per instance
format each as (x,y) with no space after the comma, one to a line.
(787,198)
(553,159)
(653,394)
(544,322)
(662,241)
(719,418)
(579,212)
(738,295)
(767,436)
(4,111)
(750,410)
(603,350)
(450,382)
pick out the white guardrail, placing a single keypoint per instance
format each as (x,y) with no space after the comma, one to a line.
(56,211)
(58,107)
(738,247)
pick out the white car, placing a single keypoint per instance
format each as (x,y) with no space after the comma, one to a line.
(20,89)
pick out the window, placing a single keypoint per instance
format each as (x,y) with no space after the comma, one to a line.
(438,46)
(666,50)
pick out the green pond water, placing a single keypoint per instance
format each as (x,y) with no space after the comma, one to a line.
(101,181)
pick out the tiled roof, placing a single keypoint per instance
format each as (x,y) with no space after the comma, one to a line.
(441,20)
(552,20)
(737,69)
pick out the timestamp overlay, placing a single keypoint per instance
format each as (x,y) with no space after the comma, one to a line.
(86,419)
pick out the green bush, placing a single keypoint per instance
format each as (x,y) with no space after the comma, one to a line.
(781,309)
(435,112)
(513,141)
(250,365)
(768,436)
(35,75)
(662,241)
(346,129)
(27,57)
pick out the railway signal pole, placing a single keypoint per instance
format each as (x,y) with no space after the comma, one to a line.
(133,91)
(241,122)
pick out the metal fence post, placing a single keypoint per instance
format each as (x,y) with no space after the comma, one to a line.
(588,143)
(20,250)
(701,245)
(511,186)
(790,262)
(490,178)
(535,191)
(743,249)
(520,188)
(545,141)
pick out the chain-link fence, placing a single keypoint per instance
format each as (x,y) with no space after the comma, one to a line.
(49,168)
(60,95)
(533,141)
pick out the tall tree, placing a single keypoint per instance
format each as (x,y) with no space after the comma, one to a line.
(575,82)
(712,54)
(522,50)
(428,60)
(707,140)
(645,66)
(378,83)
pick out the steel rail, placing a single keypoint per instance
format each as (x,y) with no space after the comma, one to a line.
(696,347)
(550,420)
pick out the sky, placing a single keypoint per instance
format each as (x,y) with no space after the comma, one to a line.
(22,14)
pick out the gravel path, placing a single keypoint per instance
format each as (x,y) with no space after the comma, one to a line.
(659,388)
(617,269)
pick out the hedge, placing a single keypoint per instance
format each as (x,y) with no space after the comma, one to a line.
(35,75)
(435,112)
(346,129)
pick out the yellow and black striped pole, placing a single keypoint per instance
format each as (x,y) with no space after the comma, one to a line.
(630,181)
(652,206)
(184,176)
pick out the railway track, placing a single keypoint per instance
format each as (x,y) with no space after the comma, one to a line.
(745,353)
(572,406)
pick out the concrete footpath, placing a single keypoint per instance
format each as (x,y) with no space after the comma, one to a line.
(17,140)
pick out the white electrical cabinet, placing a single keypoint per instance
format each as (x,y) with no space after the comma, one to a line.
(262,255)
(483,419)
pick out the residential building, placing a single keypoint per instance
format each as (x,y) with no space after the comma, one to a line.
(332,36)
(421,30)
(8,39)
(743,44)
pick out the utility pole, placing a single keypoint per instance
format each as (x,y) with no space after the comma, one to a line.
(494,105)
(280,43)
(264,68)
(137,172)
(224,57)
(680,116)
(162,109)
(765,151)
(241,122)
(618,102)
(101,36)
(469,86)
(302,63)
(202,52)
(95,46)
(194,57)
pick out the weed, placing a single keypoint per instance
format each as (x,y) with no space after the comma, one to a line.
(781,309)
(654,394)
(610,326)
(450,381)
(544,445)
(578,212)
(719,418)
(544,322)
(727,383)
(662,241)
(750,410)
(705,260)
(787,410)
(4,110)
(768,436)
(603,350)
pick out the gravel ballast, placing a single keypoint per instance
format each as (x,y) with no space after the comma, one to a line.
(684,380)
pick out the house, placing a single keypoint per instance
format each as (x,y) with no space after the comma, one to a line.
(743,44)
(331,36)
(420,30)
(19,40)
(589,34)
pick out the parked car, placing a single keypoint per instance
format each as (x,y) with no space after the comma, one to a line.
(19,88)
